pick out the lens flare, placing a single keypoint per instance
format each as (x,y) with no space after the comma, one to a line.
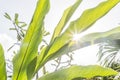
(76,37)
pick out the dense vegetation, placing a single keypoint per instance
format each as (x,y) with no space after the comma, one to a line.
(27,62)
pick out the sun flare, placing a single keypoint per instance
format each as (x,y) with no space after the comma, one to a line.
(76,37)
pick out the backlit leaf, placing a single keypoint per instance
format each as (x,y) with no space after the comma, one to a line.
(79,72)
(86,20)
(29,47)
(65,18)
(94,38)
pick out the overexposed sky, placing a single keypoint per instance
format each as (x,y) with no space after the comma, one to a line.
(25,9)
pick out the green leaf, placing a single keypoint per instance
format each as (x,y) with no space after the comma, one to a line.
(90,16)
(46,33)
(31,68)
(87,40)
(65,18)
(94,38)
(7,16)
(16,17)
(29,47)
(79,72)
(12,28)
(3,75)
(23,25)
(85,21)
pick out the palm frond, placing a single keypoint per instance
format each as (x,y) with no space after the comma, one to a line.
(109,52)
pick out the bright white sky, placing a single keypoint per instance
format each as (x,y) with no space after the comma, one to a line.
(25,8)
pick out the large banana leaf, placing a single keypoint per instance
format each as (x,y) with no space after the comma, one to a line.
(3,75)
(85,21)
(65,18)
(29,48)
(79,72)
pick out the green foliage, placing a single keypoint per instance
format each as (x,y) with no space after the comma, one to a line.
(62,43)
(79,72)
(3,75)
(27,62)
(18,26)
(31,68)
(32,39)
(94,38)
(7,16)
(65,18)
(109,53)
(16,18)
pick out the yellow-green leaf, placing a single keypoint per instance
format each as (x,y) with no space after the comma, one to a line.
(87,40)
(90,16)
(94,38)
(85,21)
(79,72)
(65,18)
(29,47)
(3,75)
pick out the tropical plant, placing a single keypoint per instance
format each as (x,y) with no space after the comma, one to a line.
(27,62)
(109,55)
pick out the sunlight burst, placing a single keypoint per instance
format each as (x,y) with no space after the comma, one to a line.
(76,37)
